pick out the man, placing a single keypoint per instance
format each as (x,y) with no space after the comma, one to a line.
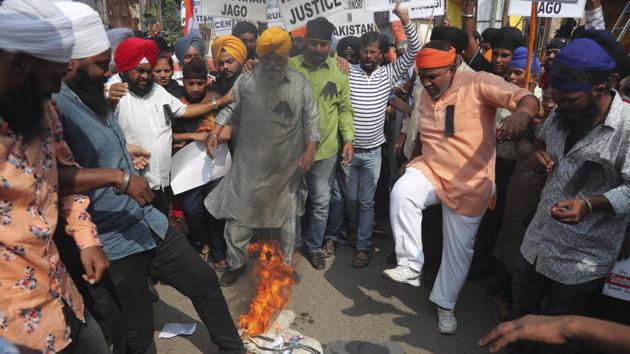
(348,48)
(549,57)
(229,54)
(145,113)
(137,240)
(575,236)
(278,131)
(457,130)
(331,91)
(370,86)
(248,33)
(504,42)
(40,307)
(518,66)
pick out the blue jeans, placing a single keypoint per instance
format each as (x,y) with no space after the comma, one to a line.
(336,207)
(319,180)
(359,188)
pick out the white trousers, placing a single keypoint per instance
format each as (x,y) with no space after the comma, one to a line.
(411,194)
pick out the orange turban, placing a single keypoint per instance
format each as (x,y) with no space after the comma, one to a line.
(232,45)
(429,58)
(274,40)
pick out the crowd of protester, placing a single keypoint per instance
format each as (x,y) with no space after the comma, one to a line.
(470,167)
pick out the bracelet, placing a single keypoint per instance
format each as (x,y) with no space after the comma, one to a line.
(589,204)
(125,183)
(468,15)
(214,103)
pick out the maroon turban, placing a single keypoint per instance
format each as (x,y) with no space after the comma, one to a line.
(134,51)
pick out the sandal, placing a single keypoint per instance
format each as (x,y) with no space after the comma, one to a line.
(205,253)
(329,248)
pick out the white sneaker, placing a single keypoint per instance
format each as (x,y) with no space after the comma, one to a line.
(447,323)
(403,274)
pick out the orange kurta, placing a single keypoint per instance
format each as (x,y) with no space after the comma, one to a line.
(461,167)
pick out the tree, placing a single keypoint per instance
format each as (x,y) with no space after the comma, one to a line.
(171,25)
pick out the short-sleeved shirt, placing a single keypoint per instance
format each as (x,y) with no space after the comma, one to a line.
(461,167)
(598,164)
(98,142)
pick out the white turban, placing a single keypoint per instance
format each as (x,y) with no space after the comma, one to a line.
(37,28)
(90,37)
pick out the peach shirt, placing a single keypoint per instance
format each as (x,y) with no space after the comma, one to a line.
(461,167)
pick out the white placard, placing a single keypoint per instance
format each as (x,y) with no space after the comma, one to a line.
(558,8)
(428,11)
(354,21)
(200,18)
(191,166)
(255,10)
(618,281)
(385,5)
(296,13)
(274,17)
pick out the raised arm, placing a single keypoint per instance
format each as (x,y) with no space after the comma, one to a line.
(398,68)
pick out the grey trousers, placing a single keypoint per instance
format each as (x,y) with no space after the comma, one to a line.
(237,238)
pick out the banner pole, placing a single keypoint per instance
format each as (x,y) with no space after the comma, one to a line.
(531,41)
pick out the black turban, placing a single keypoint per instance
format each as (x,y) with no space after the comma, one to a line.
(195,69)
(609,43)
(244,27)
(319,28)
(487,34)
(507,38)
(557,43)
(349,41)
(453,35)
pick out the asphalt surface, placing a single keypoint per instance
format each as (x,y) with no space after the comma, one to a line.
(343,303)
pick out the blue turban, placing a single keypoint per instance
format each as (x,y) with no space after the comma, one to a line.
(580,66)
(184,43)
(519,60)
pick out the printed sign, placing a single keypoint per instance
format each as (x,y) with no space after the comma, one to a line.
(353,21)
(429,11)
(296,13)
(558,8)
(255,10)
(223,25)
(618,281)
(200,18)
(274,17)
(388,5)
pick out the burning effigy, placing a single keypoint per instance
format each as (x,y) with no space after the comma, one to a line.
(265,328)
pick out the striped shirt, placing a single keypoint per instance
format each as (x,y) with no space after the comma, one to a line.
(370,94)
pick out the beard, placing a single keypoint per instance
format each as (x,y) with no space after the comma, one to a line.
(23,110)
(91,92)
(316,59)
(578,120)
(134,86)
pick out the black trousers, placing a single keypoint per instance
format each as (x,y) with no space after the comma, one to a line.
(534,293)
(161,201)
(86,337)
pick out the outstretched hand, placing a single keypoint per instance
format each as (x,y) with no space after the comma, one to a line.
(402,13)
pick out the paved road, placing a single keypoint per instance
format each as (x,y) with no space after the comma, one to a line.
(342,303)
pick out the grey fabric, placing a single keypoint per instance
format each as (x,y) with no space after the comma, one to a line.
(238,237)
(274,124)
(598,164)
(183,43)
(360,347)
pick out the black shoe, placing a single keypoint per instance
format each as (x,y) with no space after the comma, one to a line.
(230,276)
(155,297)
(361,259)
(316,259)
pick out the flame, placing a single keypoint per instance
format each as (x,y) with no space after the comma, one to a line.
(273,291)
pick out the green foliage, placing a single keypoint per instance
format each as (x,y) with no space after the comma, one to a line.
(171,25)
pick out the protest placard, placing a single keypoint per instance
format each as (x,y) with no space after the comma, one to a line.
(296,13)
(434,10)
(353,21)
(274,17)
(200,18)
(553,8)
(255,10)
(387,5)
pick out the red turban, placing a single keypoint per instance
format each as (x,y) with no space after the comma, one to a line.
(134,51)
(429,58)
